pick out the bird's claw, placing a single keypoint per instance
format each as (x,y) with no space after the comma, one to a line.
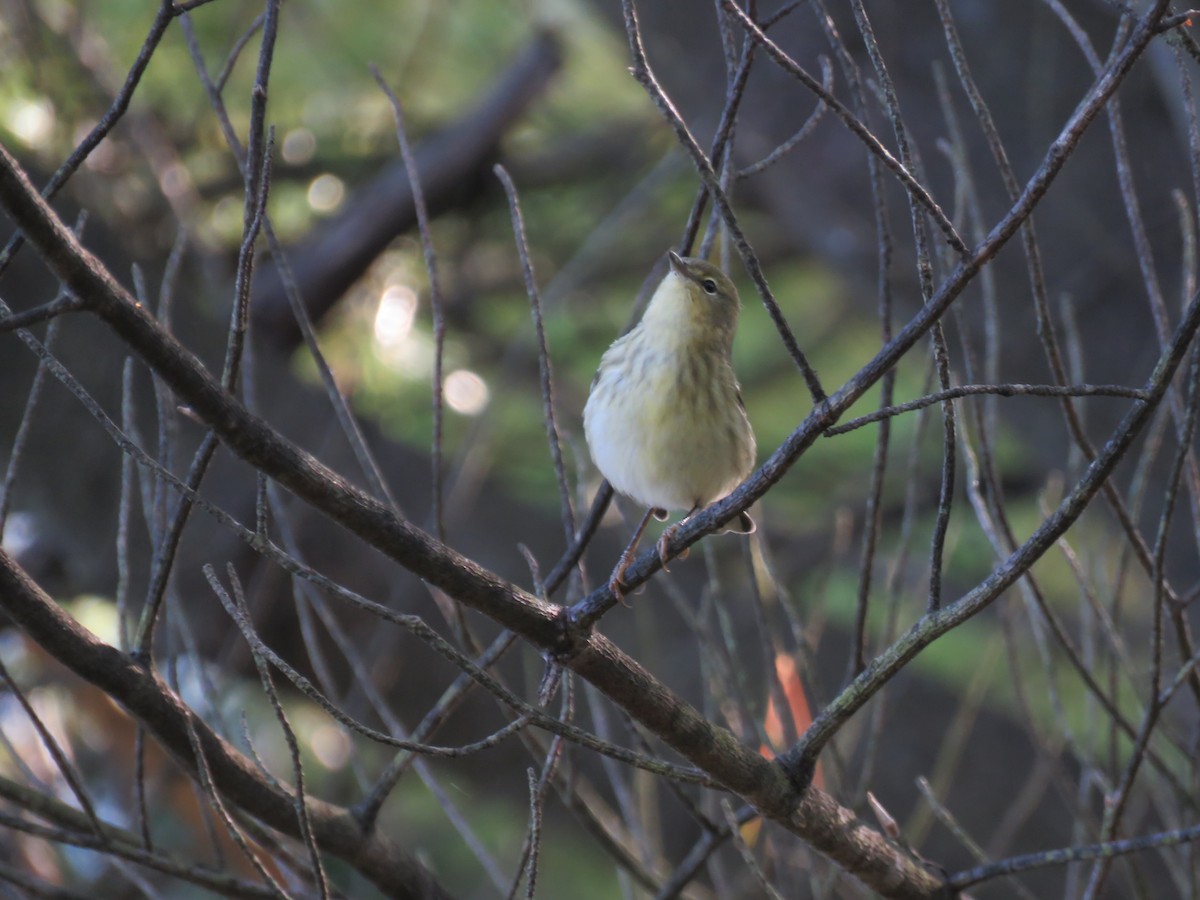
(617,586)
(616,581)
(661,546)
(663,549)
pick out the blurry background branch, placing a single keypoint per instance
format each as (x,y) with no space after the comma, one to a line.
(453,166)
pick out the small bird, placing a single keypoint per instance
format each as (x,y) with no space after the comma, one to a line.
(664,420)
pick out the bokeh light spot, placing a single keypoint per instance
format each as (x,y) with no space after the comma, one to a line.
(326,193)
(465,392)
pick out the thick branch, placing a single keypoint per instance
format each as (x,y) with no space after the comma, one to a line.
(148,697)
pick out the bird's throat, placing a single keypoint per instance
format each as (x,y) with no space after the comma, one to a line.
(682,321)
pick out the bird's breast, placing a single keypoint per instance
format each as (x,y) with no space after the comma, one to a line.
(664,423)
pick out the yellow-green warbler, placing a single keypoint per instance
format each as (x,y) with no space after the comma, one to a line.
(664,420)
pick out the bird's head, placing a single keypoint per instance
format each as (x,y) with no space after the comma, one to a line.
(702,293)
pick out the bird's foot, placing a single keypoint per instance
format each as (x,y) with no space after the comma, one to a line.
(616,581)
(665,539)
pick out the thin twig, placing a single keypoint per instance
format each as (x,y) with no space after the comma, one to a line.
(198,874)
(51,310)
(809,126)
(962,880)
(856,127)
(951,824)
(543,352)
(264,674)
(257,175)
(435,299)
(65,767)
(999,390)
(704,167)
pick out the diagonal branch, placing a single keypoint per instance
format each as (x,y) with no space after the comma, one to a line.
(814,816)
(146,696)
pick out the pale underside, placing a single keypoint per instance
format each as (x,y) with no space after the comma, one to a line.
(668,431)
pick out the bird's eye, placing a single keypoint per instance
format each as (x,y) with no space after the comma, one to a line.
(710,286)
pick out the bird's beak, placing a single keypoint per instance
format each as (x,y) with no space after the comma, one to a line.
(676,261)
